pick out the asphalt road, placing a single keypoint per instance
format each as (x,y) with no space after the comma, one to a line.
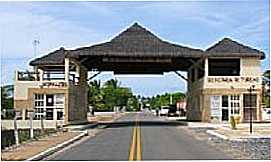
(141,136)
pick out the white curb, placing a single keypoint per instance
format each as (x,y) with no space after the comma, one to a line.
(217,134)
(56,148)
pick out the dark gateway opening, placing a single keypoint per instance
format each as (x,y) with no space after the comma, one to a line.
(224,67)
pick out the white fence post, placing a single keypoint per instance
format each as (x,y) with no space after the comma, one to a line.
(16,133)
(42,124)
(31,116)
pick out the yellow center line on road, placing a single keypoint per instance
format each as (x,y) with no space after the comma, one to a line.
(136,143)
(138,155)
(132,147)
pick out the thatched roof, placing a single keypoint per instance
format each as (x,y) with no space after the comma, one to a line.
(230,48)
(136,41)
(53,58)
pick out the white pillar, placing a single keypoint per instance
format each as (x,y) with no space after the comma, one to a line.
(55,114)
(16,75)
(67,63)
(41,72)
(206,67)
(23,114)
(78,73)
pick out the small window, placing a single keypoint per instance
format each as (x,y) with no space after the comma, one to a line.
(235,104)
(59,115)
(49,100)
(59,99)
(247,100)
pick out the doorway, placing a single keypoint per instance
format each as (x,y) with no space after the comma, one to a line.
(230,106)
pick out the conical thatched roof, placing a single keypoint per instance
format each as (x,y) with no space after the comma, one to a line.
(228,47)
(137,41)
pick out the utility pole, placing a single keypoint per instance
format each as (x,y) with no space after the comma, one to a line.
(251,89)
(4,75)
(35,45)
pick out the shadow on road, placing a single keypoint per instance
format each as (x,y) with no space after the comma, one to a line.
(143,124)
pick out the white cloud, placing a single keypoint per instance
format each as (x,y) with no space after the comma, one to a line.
(19,29)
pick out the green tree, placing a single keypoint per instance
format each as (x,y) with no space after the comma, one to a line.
(267,74)
(132,103)
(164,99)
(266,91)
(6,100)
(95,97)
(110,95)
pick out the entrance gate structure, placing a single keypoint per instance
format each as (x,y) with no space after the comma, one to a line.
(57,89)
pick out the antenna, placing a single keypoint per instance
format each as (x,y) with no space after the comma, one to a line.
(4,75)
(35,44)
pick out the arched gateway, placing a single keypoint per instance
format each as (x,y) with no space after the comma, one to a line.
(218,78)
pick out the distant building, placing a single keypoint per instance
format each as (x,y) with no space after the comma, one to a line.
(181,105)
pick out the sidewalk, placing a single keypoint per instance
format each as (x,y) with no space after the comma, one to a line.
(105,118)
(239,143)
(242,131)
(223,130)
(27,150)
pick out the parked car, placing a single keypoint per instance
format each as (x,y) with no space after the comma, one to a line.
(172,111)
(153,111)
(266,114)
(164,111)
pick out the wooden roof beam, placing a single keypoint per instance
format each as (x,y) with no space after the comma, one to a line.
(183,77)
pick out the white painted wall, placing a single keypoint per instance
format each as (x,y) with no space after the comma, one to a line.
(21,89)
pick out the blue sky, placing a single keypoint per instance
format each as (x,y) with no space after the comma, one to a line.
(197,24)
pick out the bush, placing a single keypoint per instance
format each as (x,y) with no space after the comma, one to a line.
(8,139)
(232,122)
(237,119)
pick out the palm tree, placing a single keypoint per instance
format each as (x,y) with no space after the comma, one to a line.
(6,99)
(267,74)
(112,83)
(94,94)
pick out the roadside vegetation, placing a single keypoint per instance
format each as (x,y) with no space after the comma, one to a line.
(110,95)
(7,102)
(7,97)
(266,92)
(8,138)
(166,99)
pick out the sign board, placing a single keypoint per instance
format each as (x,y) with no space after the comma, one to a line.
(215,105)
(53,85)
(234,80)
